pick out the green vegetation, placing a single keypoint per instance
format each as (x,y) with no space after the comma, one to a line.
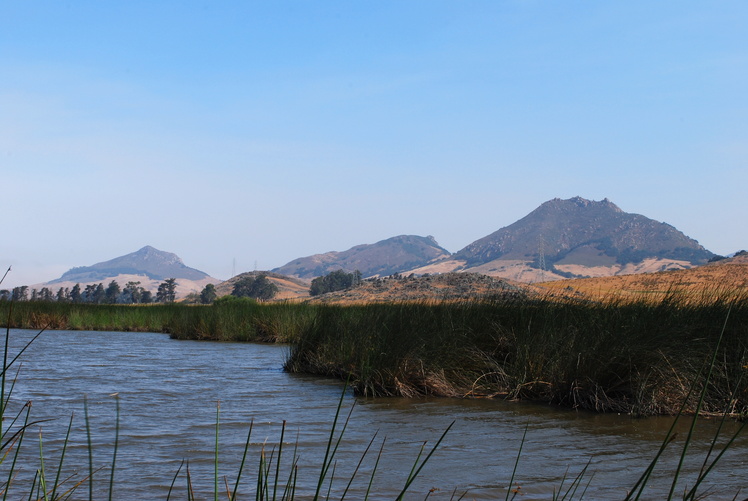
(258,287)
(241,319)
(334,281)
(610,357)
(83,316)
(208,294)
(133,293)
(167,291)
(628,358)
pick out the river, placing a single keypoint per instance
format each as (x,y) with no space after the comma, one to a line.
(169,392)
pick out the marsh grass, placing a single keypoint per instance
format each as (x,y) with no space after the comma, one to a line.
(635,358)
(612,356)
(65,316)
(230,320)
(241,320)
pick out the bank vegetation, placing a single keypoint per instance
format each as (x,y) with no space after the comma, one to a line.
(637,358)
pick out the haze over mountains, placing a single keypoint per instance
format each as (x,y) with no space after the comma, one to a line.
(560,239)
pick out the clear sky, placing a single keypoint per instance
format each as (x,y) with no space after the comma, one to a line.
(262,131)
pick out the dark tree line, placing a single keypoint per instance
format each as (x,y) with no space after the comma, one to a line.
(258,287)
(334,281)
(132,293)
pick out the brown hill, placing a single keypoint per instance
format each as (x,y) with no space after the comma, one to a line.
(288,287)
(445,287)
(724,277)
(386,257)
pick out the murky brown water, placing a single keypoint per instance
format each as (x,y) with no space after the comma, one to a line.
(168,392)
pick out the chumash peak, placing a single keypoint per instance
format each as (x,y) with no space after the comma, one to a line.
(386,257)
(148,261)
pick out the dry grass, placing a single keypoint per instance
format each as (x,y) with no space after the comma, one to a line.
(720,279)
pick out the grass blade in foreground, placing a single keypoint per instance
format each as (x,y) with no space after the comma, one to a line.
(698,408)
(413,476)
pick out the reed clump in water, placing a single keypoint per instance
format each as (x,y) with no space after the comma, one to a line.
(634,358)
(241,319)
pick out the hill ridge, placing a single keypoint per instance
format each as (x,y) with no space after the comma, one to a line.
(385,257)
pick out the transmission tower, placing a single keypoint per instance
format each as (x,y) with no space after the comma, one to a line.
(541,257)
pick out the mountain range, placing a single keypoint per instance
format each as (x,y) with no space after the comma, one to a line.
(560,239)
(569,238)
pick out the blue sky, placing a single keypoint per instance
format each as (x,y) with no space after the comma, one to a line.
(264,131)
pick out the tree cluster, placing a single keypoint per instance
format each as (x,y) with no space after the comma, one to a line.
(334,281)
(132,293)
(258,287)
(208,294)
(167,291)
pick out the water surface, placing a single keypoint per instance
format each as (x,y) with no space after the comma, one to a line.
(169,392)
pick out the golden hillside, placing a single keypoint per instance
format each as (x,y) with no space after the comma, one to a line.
(728,277)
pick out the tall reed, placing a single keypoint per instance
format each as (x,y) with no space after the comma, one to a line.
(635,358)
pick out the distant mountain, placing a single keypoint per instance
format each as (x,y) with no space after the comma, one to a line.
(150,262)
(577,234)
(386,257)
(148,266)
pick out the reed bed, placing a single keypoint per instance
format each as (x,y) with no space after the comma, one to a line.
(241,320)
(633,357)
(636,358)
(97,317)
(227,320)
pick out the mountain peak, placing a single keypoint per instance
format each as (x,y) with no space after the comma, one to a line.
(147,261)
(581,203)
(151,253)
(586,232)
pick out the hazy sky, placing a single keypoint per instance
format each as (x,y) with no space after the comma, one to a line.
(262,131)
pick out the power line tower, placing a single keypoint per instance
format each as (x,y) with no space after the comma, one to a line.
(541,257)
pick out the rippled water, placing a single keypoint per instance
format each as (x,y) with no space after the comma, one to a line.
(169,390)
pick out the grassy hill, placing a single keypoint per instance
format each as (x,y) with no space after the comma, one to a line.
(728,277)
